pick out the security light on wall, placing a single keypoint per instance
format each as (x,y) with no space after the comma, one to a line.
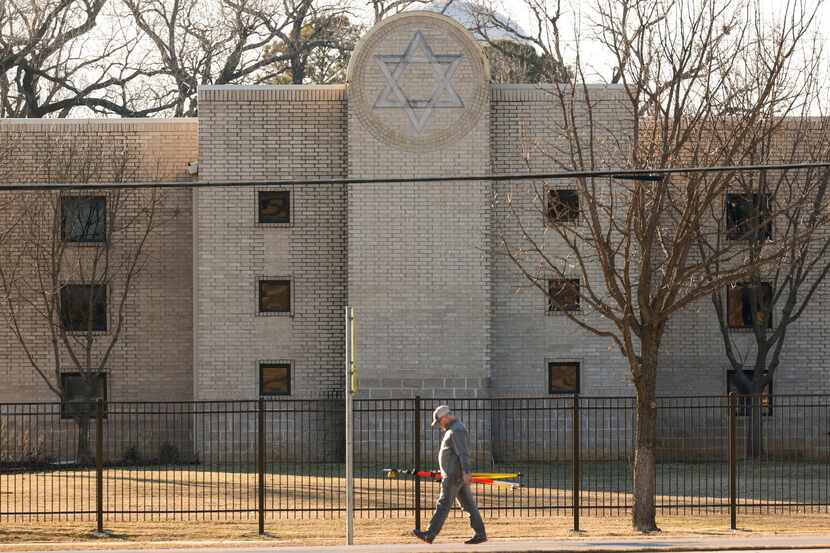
(193,168)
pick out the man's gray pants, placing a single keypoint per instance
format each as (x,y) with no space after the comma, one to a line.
(452,488)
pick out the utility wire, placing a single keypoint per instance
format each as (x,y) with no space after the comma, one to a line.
(621,174)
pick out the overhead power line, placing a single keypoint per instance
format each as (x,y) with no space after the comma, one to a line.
(622,174)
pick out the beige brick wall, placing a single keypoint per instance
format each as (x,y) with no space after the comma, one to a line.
(419,261)
(254,134)
(527,138)
(152,359)
(440,312)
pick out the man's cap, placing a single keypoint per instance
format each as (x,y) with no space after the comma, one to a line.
(440,411)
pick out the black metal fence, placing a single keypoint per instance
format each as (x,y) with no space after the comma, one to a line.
(285,458)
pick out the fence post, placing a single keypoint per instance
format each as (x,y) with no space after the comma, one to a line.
(260,465)
(417,464)
(99,465)
(733,462)
(577,467)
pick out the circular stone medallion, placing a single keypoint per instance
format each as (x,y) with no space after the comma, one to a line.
(418,80)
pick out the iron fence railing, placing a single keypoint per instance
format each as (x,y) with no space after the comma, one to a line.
(284,458)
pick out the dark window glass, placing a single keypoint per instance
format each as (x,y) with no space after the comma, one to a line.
(84,219)
(275,207)
(564,295)
(563,377)
(746,303)
(275,296)
(84,307)
(275,379)
(563,205)
(747,217)
(744,403)
(80,392)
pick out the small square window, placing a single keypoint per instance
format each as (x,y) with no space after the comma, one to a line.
(748,216)
(80,393)
(563,295)
(275,296)
(562,205)
(275,379)
(275,207)
(746,303)
(83,307)
(84,219)
(563,377)
(745,403)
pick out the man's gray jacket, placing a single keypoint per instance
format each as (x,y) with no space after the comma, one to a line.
(454,455)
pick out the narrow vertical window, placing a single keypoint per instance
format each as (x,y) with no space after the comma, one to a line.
(83,307)
(747,303)
(84,219)
(734,384)
(80,393)
(563,295)
(275,296)
(748,216)
(562,205)
(275,207)
(275,379)
(563,377)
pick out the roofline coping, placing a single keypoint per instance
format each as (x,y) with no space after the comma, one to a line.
(551,86)
(265,87)
(114,121)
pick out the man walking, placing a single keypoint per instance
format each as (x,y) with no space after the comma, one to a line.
(456,476)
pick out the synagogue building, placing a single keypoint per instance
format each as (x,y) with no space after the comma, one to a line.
(244,291)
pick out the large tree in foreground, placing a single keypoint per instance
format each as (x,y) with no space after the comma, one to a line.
(69,264)
(633,245)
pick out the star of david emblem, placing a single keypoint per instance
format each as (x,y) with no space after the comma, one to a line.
(443,68)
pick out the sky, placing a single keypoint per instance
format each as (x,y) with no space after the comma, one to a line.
(577,15)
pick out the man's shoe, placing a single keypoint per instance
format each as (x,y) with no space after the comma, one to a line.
(423,536)
(476,539)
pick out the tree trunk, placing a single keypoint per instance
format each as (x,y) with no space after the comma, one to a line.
(755,427)
(85,456)
(645,441)
(645,466)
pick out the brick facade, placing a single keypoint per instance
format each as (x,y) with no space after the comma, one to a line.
(440,312)
(152,358)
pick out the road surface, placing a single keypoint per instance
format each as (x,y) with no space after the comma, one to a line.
(654,544)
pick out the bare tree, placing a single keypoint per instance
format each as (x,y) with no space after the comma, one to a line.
(635,248)
(381,9)
(325,61)
(234,41)
(56,57)
(506,43)
(70,262)
(772,297)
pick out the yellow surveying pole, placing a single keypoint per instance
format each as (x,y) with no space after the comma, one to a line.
(351,388)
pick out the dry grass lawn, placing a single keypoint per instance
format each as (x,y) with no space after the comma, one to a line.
(180,492)
(185,490)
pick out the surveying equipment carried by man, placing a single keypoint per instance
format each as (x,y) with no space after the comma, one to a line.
(498,479)
(456,477)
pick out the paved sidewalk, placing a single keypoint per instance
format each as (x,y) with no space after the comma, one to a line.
(652,544)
